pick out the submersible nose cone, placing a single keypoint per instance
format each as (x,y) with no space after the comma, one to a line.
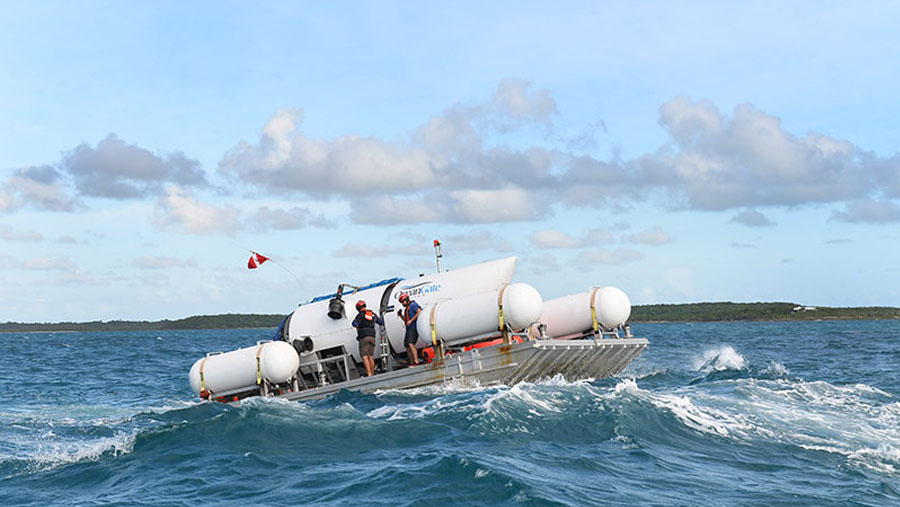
(336,308)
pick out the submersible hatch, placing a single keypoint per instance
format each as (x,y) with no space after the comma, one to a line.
(476,326)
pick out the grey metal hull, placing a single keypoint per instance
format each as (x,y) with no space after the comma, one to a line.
(518,362)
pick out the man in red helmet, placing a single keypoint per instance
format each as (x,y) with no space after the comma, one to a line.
(410,316)
(365,334)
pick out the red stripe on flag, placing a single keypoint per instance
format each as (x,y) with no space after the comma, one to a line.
(255,260)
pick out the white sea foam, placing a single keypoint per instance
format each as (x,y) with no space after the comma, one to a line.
(54,454)
(421,410)
(720,359)
(532,396)
(452,386)
(626,386)
(521,393)
(883,459)
(776,369)
(704,419)
(856,421)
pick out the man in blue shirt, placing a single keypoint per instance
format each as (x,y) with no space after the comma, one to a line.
(410,316)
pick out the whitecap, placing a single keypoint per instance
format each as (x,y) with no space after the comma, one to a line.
(857,421)
(720,359)
(776,369)
(53,455)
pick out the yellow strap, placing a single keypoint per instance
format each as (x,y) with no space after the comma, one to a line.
(433,330)
(500,306)
(594,311)
(202,380)
(258,368)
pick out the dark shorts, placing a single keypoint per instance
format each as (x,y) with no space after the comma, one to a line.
(412,336)
(367,346)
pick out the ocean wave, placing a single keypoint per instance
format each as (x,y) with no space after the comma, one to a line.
(884,459)
(50,454)
(856,421)
(721,358)
(775,369)
(692,416)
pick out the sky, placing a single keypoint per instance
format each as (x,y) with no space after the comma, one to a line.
(682,151)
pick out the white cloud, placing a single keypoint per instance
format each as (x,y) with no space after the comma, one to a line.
(447,170)
(7,201)
(391,210)
(39,186)
(48,264)
(286,160)
(459,166)
(718,162)
(506,205)
(752,218)
(47,196)
(447,152)
(464,206)
(551,238)
(9,234)
(654,237)
(120,170)
(179,209)
(869,210)
(514,98)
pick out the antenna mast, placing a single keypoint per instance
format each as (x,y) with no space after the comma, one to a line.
(438,254)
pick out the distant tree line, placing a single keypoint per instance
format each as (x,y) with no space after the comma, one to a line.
(693,312)
(725,311)
(226,321)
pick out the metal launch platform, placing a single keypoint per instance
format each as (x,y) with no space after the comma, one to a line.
(499,364)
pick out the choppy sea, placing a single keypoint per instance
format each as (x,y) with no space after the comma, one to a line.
(801,413)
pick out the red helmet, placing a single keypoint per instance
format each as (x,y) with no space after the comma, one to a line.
(403,297)
(360,304)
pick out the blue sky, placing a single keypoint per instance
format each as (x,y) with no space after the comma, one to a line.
(692,151)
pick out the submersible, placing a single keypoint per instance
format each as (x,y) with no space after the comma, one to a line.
(476,325)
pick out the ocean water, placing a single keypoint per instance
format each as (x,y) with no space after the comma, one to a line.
(803,413)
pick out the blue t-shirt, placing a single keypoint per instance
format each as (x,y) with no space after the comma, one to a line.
(411,310)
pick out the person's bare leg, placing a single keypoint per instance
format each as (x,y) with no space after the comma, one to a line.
(413,353)
(369,362)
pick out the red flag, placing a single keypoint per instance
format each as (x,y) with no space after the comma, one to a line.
(255,260)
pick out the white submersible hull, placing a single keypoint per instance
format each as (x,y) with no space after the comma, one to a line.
(475,327)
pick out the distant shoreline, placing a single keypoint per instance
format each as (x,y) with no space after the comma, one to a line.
(825,319)
(641,314)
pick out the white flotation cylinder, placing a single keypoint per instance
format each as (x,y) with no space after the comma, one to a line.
(237,370)
(463,319)
(575,314)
